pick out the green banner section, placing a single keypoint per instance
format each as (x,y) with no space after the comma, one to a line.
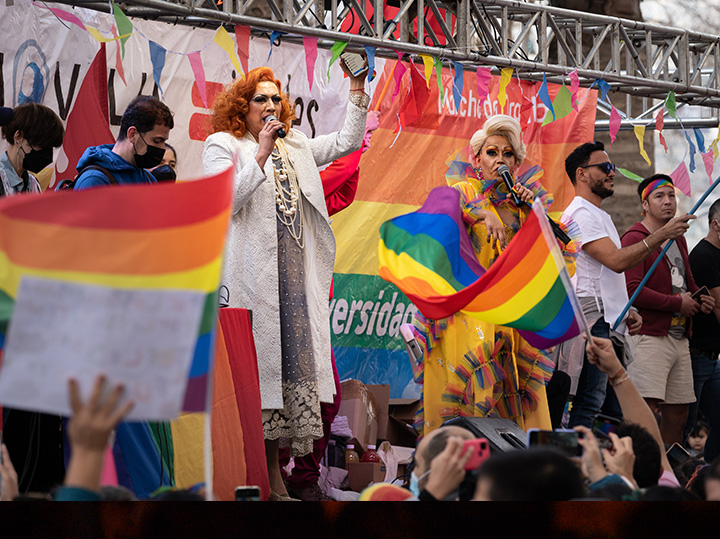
(367,312)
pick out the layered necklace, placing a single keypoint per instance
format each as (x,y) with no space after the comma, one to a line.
(287,193)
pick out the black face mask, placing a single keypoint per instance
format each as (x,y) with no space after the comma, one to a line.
(164,173)
(36,160)
(152,157)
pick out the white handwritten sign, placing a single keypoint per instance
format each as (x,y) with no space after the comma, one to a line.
(144,339)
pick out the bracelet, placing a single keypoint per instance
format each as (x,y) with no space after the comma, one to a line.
(358,90)
(647,246)
(618,374)
(624,378)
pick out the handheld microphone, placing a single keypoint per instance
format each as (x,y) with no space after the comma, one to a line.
(280,132)
(504,172)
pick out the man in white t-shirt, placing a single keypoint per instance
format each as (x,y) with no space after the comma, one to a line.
(599,280)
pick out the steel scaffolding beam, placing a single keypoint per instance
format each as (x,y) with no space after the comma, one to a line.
(637,59)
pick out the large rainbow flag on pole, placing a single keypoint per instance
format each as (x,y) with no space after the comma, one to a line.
(429,256)
(158,237)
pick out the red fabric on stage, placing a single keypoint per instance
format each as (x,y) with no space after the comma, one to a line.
(237,331)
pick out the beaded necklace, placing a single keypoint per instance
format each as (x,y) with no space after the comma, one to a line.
(287,193)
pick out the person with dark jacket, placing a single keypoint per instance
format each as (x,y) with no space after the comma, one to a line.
(662,369)
(144,128)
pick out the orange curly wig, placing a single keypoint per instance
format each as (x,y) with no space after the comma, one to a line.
(231,105)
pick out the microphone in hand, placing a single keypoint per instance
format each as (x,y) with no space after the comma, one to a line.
(280,132)
(504,172)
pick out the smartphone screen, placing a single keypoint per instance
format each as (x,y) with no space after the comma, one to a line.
(247,494)
(677,455)
(605,424)
(702,292)
(566,441)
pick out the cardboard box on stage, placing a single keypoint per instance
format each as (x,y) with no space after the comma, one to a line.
(382,398)
(401,416)
(361,409)
(361,474)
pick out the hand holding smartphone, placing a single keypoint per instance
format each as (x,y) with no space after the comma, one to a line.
(480,453)
(247,493)
(702,292)
(562,439)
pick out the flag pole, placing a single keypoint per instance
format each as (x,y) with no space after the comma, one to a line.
(659,258)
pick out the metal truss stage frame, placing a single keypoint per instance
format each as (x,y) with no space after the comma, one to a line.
(641,61)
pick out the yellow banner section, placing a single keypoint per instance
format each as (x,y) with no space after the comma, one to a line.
(357,233)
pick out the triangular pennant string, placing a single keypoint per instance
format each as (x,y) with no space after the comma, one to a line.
(370,54)
(544,96)
(457,84)
(604,89)
(681,179)
(337,49)
(692,152)
(199,73)
(242,37)
(700,138)
(640,135)
(311,52)
(63,15)
(615,121)
(484,76)
(670,104)
(118,57)
(223,39)
(124,26)
(659,124)
(561,105)
(629,175)
(438,77)
(574,87)
(505,78)
(709,161)
(157,57)
(273,38)
(398,73)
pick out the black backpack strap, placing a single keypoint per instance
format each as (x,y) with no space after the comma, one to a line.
(105,171)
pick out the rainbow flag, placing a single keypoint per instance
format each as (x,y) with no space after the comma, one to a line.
(161,237)
(428,255)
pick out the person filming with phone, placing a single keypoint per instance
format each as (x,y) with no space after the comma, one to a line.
(662,369)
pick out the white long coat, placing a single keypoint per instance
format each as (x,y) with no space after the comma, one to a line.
(251,262)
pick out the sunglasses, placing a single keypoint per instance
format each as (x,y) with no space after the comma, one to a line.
(605,167)
(276,99)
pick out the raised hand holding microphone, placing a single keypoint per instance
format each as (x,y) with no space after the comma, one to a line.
(280,132)
(507,178)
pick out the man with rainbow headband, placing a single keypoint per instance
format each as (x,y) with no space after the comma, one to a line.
(662,370)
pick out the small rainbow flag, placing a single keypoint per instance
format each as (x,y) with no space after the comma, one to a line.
(429,256)
(160,237)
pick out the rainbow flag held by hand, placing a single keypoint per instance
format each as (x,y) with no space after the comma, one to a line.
(429,256)
(139,237)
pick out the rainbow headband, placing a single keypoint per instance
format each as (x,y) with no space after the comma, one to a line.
(662,182)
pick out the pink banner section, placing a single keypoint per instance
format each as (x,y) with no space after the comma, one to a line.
(118,57)
(574,87)
(199,72)
(614,124)
(109,470)
(484,75)
(64,15)
(681,178)
(709,160)
(242,36)
(659,124)
(398,73)
(310,44)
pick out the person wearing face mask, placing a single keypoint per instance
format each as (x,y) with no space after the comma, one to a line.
(32,131)
(144,128)
(166,171)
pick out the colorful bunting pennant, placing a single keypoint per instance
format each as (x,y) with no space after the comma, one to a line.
(670,104)
(709,160)
(118,57)
(640,135)
(457,84)
(223,39)
(659,124)
(370,54)
(438,76)
(337,49)
(199,72)
(544,96)
(310,44)
(561,105)
(124,26)
(242,37)
(615,121)
(681,179)
(692,152)
(629,175)
(157,57)
(700,138)
(574,87)
(604,89)
(505,78)
(429,64)
(398,73)
(484,76)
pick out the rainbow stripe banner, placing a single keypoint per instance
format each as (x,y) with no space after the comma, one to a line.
(428,255)
(158,237)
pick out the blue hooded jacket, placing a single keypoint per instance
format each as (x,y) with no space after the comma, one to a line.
(124,172)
